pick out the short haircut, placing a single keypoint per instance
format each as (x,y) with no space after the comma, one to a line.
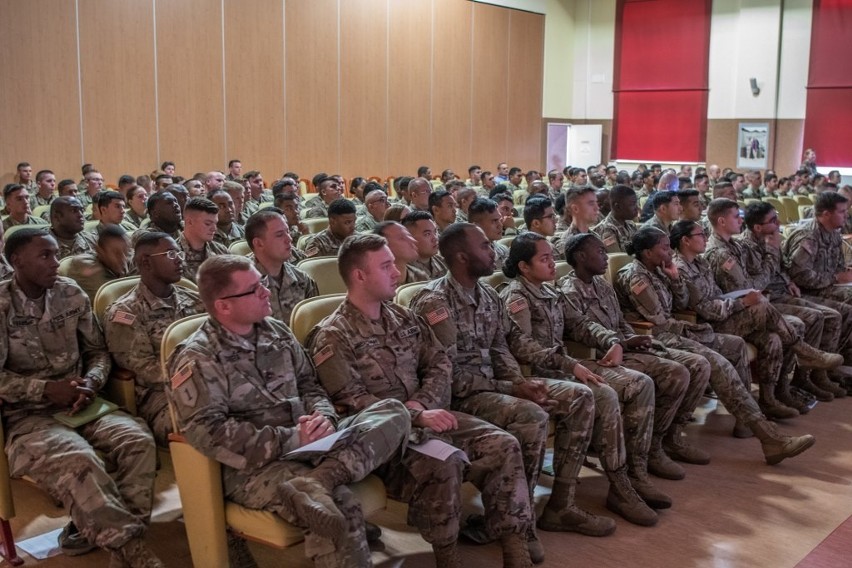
(215,192)
(522,250)
(755,212)
(256,223)
(214,276)
(282,197)
(500,188)
(281,186)
(109,232)
(233,186)
(720,186)
(252,174)
(700,177)
(436,197)
(685,194)
(148,239)
(353,250)
(827,201)
(201,204)
(133,190)
(11,188)
(422,170)
(126,179)
(576,192)
(341,206)
(65,183)
(165,165)
(21,238)
(106,197)
(480,207)
(41,174)
(453,240)
(382,227)
(416,216)
(498,197)
(679,230)
(234,161)
(513,171)
(574,243)
(371,187)
(718,207)
(770,177)
(662,198)
(534,209)
(155,198)
(621,192)
(472,169)
(23,165)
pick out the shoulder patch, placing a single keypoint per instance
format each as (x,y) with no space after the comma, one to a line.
(518,305)
(124,318)
(323,355)
(638,287)
(311,251)
(182,374)
(728,264)
(437,316)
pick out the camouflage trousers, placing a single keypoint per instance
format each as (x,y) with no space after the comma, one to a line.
(377,433)
(844,308)
(624,415)
(154,409)
(109,510)
(769,331)
(432,488)
(730,376)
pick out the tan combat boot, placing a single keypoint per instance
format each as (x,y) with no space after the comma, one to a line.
(776,446)
(771,407)
(821,380)
(678,448)
(135,554)
(562,514)
(637,471)
(660,464)
(812,358)
(310,501)
(239,555)
(515,553)
(802,380)
(624,500)
(447,556)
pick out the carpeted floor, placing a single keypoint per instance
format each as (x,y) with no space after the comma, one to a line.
(735,512)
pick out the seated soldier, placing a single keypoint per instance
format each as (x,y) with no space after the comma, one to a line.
(110,260)
(17,200)
(581,203)
(404,249)
(237,192)
(246,395)
(289,205)
(67,223)
(667,209)
(227,229)
(6,269)
(484,214)
(539,217)
(268,236)
(506,207)
(134,324)
(618,227)
(419,190)
(341,224)
(329,191)
(379,350)
(196,241)
(375,205)
(464,197)
(60,369)
(423,229)
(164,215)
(470,320)
(46,193)
(110,206)
(563,214)
(442,206)
(137,200)
(356,190)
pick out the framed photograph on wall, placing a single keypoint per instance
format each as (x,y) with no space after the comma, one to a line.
(752,145)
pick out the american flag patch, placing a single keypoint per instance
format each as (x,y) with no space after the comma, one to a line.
(182,375)
(639,287)
(437,316)
(124,318)
(518,305)
(728,264)
(609,241)
(312,251)
(323,355)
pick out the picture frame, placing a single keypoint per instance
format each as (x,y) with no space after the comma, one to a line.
(752,145)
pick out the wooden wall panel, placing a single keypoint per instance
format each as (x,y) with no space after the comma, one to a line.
(311,51)
(254,85)
(364,88)
(189,84)
(117,73)
(525,71)
(409,103)
(39,98)
(451,93)
(490,97)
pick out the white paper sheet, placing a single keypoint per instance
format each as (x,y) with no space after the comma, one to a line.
(437,449)
(42,546)
(320,446)
(736,294)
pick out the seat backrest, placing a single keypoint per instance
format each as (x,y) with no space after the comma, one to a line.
(10,230)
(791,206)
(239,247)
(498,280)
(507,241)
(562,269)
(177,332)
(89,225)
(317,224)
(39,210)
(406,292)
(324,272)
(783,217)
(617,261)
(64,265)
(114,289)
(310,311)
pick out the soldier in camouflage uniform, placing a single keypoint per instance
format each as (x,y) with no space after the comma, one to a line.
(594,318)
(484,214)
(581,204)
(196,241)
(624,399)
(110,261)
(268,237)
(371,349)
(6,269)
(164,216)
(228,230)
(423,229)
(67,222)
(54,360)
(618,227)
(134,325)
(651,286)
(778,338)
(341,224)
(246,394)
(469,319)
(404,249)
(667,209)
(328,192)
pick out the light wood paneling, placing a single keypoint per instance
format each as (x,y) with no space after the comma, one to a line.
(39,98)
(117,73)
(490,89)
(189,84)
(526,66)
(409,103)
(451,92)
(254,85)
(364,88)
(313,125)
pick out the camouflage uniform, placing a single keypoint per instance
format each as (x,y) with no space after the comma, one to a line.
(83,242)
(652,296)
(234,233)
(539,313)
(474,326)
(324,243)
(90,273)
(594,318)
(194,258)
(56,338)
(136,220)
(6,269)
(365,224)
(287,288)
(501,253)
(238,401)
(760,324)
(37,200)
(413,274)
(435,267)
(134,326)
(656,223)
(361,361)
(314,201)
(614,234)
(317,210)
(29,220)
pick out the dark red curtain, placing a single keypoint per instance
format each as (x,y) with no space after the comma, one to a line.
(828,119)
(662,53)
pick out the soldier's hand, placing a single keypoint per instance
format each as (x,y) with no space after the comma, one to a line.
(613,357)
(533,390)
(670,269)
(313,427)
(438,420)
(640,342)
(585,376)
(773,239)
(508,222)
(794,290)
(303,228)
(63,394)
(752,298)
(85,395)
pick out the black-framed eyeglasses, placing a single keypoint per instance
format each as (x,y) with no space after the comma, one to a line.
(702,235)
(171,254)
(261,285)
(772,221)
